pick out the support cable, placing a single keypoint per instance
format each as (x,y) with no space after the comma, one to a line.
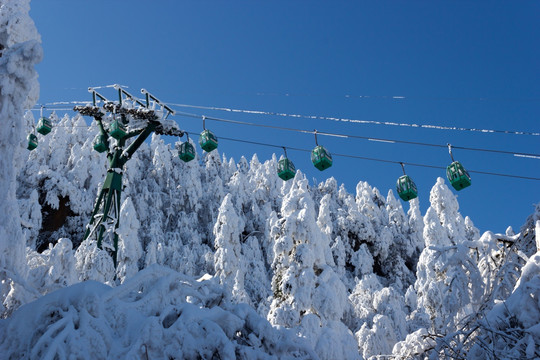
(519,154)
(379,160)
(371,122)
(375,139)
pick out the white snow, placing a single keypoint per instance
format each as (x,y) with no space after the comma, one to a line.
(222,259)
(316,271)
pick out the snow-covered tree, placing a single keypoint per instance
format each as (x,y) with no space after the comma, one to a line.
(446,266)
(129,246)
(229,264)
(21,51)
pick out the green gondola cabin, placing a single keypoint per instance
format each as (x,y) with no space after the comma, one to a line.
(286,169)
(186,152)
(208,141)
(117,130)
(321,158)
(406,188)
(32,142)
(44,126)
(100,143)
(458,176)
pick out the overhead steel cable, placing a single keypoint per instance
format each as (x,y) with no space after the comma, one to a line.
(519,154)
(371,122)
(514,153)
(377,159)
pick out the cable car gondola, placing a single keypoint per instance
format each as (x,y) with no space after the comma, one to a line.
(456,173)
(208,141)
(186,152)
(285,168)
(406,188)
(44,126)
(32,141)
(320,157)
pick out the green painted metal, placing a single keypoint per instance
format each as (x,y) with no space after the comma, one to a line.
(105,217)
(44,126)
(186,152)
(32,142)
(208,141)
(406,188)
(458,176)
(118,130)
(101,143)
(286,169)
(321,158)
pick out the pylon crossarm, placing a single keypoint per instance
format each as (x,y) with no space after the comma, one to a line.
(96,95)
(128,152)
(121,92)
(157,101)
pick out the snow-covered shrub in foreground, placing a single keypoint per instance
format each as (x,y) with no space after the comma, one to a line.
(157,314)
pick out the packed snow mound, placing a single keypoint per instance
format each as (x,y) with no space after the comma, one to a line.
(157,314)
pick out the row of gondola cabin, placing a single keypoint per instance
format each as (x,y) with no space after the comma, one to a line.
(458,176)
(44,127)
(32,141)
(321,158)
(208,141)
(406,188)
(286,169)
(186,152)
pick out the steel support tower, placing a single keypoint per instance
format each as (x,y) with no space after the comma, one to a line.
(141,121)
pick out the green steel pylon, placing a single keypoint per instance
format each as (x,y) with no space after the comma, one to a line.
(105,218)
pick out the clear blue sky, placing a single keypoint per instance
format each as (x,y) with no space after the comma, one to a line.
(456,63)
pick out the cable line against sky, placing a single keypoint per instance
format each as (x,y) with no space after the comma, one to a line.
(376,159)
(397,97)
(197,116)
(519,154)
(376,139)
(318,117)
(379,160)
(371,122)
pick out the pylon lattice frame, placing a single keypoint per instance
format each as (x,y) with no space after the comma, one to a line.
(105,219)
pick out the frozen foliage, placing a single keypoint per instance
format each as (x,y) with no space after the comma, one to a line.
(499,313)
(353,275)
(129,248)
(446,267)
(157,314)
(21,50)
